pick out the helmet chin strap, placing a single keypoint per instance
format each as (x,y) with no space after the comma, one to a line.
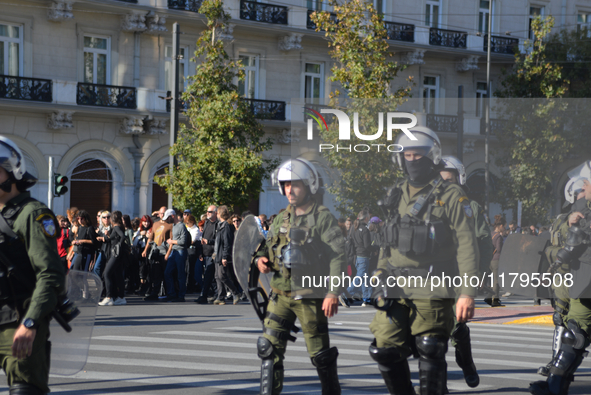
(6,186)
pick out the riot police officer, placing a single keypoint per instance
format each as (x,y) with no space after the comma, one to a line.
(573,192)
(28,251)
(429,231)
(307,221)
(575,338)
(455,172)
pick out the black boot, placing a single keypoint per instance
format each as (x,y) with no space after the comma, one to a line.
(461,335)
(393,368)
(20,388)
(567,360)
(432,365)
(326,365)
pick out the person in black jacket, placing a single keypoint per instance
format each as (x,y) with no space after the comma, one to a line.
(85,242)
(361,240)
(114,269)
(224,241)
(208,243)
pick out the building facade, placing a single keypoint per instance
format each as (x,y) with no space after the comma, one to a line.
(85,81)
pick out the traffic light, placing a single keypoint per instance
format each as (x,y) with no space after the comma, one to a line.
(59,185)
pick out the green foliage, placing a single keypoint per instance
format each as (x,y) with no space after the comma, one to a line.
(219,148)
(536,140)
(364,69)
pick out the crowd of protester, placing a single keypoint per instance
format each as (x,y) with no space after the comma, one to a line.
(161,257)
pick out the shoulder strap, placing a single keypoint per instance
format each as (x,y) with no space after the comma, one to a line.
(6,229)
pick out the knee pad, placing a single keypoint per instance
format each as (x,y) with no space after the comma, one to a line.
(265,348)
(430,347)
(21,388)
(325,357)
(557,319)
(385,356)
(575,336)
(460,332)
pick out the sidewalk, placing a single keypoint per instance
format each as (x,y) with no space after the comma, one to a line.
(515,312)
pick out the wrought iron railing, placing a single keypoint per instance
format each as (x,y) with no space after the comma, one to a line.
(186,5)
(501,44)
(497,126)
(263,12)
(106,95)
(400,31)
(129,1)
(447,38)
(22,88)
(443,123)
(267,109)
(310,23)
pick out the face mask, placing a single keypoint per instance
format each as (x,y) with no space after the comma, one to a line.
(419,171)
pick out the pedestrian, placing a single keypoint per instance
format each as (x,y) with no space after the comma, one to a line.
(176,257)
(208,243)
(31,291)
(140,242)
(375,233)
(63,241)
(115,266)
(155,250)
(299,183)
(224,241)
(236,221)
(85,243)
(194,257)
(498,241)
(446,243)
(104,250)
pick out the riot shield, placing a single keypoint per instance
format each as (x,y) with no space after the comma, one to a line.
(524,254)
(69,350)
(247,242)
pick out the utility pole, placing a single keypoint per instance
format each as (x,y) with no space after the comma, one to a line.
(460,131)
(50,184)
(487,115)
(174,103)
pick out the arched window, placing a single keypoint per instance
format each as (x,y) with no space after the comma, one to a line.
(159,195)
(476,187)
(91,186)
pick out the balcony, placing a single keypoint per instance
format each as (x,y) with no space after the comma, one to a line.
(443,123)
(499,44)
(21,88)
(106,96)
(267,109)
(311,25)
(447,38)
(185,5)
(496,125)
(263,12)
(400,31)
(129,1)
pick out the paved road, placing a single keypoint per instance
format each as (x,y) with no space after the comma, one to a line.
(157,348)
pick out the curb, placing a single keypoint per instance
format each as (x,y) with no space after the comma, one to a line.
(544,320)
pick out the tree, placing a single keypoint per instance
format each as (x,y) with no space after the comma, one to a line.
(536,140)
(219,149)
(358,43)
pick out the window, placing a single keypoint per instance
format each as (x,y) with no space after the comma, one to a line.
(183,69)
(249,87)
(480,95)
(315,5)
(432,16)
(11,50)
(380,6)
(483,16)
(584,22)
(430,94)
(533,13)
(97,59)
(313,81)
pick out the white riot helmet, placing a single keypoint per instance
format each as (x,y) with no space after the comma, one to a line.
(583,170)
(294,170)
(453,163)
(427,143)
(13,161)
(573,187)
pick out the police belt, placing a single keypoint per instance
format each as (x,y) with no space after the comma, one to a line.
(280,292)
(436,269)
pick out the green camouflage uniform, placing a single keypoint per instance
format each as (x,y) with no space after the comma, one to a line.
(36,227)
(558,234)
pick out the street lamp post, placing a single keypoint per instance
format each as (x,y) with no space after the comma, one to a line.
(487,115)
(174,102)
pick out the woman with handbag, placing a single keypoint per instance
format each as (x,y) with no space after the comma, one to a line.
(114,269)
